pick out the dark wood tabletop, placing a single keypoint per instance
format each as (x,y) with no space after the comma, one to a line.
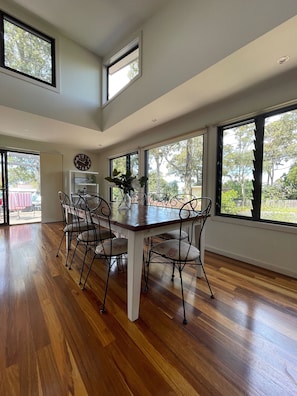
(142,217)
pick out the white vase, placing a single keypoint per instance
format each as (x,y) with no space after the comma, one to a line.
(126,202)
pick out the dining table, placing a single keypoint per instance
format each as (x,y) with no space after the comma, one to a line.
(136,224)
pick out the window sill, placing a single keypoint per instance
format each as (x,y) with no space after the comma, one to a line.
(29,80)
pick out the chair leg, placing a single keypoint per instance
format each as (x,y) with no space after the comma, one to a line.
(67,255)
(207,281)
(83,265)
(72,258)
(102,309)
(62,239)
(69,247)
(182,292)
(119,261)
(89,270)
(146,271)
(173,268)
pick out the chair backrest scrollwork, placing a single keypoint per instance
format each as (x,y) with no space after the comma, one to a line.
(198,209)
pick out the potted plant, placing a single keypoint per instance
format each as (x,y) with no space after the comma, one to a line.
(127,183)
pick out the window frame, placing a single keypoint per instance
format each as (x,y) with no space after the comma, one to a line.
(128,168)
(259,121)
(124,52)
(143,165)
(197,133)
(24,26)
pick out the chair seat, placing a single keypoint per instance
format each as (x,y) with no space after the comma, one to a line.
(78,226)
(95,235)
(177,251)
(174,234)
(112,247)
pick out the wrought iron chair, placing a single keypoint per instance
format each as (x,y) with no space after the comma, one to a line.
(158,199)
(180,252)
(177,201)
(73,225)
(90,237)
(110,249)
(138,198)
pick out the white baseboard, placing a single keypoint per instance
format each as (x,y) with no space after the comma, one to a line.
(249,260)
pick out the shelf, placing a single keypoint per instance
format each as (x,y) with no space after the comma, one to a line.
(84,172)
(82,181)
(86,184)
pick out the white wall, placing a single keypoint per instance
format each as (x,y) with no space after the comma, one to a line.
(51,181)
(181,41)
(268,246)
(171,40)
(77,99)
(78,102)
(50,177)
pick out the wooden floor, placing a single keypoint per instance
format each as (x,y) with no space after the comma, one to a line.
(54,341)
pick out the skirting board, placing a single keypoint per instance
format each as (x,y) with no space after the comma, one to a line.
(248,260)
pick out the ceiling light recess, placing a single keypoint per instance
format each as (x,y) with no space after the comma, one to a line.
(283,59)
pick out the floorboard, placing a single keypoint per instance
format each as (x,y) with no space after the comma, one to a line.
(54,341)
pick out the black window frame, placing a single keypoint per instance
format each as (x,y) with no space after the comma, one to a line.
(128,161)
(117,60)
(259,121)
(201,134)
(31,30)
(128,167)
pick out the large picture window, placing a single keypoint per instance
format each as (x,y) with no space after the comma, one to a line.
(26,51)
(257,168)
(176,168)
(172,169)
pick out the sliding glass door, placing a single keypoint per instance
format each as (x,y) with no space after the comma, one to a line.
(3,189)
(20,200)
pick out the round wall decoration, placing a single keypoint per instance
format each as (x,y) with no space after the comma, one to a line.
(82,162)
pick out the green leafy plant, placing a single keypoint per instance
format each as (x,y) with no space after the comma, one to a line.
(126,181)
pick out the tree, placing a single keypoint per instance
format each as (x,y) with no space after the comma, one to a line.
(238,158)
(23,169)
(133,69)
(165,187)
(279,143)
(157,156)
(27,52)
(184,160)
(229,202)
(289,182)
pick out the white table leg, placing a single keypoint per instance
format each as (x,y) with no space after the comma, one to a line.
(199,272)
(135,257)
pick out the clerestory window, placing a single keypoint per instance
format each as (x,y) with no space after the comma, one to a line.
(122,69)
(26,51)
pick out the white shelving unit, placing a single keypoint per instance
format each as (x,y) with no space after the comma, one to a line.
(83,182)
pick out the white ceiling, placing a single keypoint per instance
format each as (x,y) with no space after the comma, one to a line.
(100,34)
(98,25)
